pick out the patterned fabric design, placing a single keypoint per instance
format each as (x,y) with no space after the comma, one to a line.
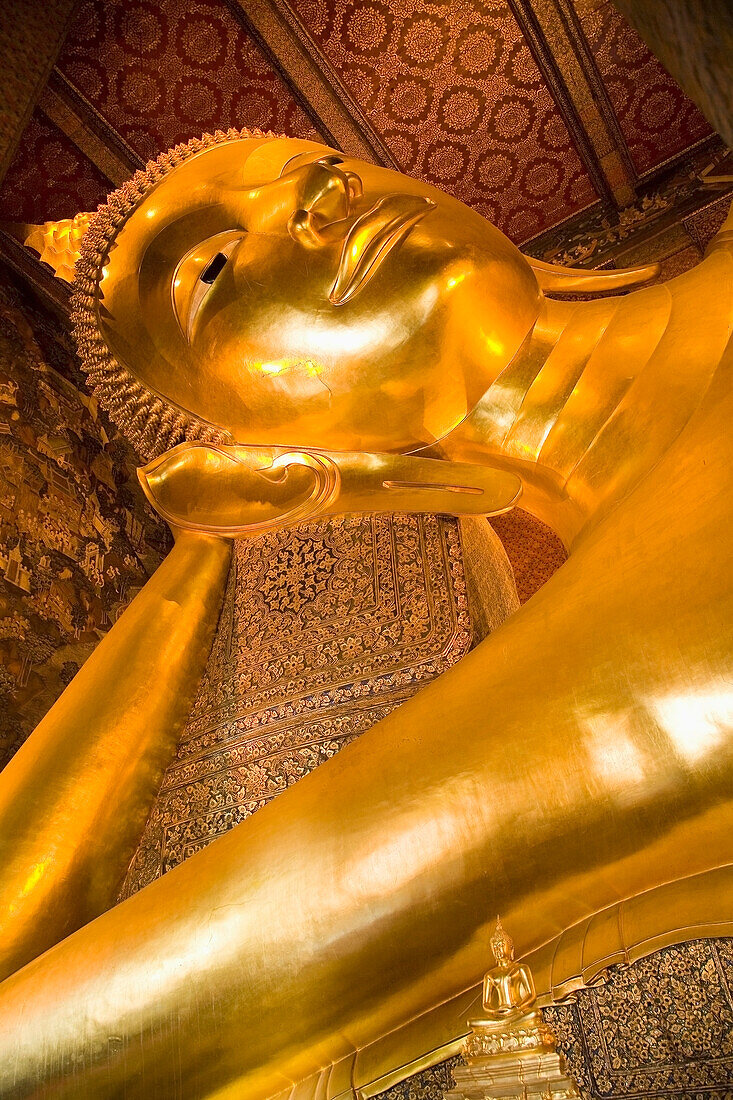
(661,1029)
(324,631)
(162,72)
(656,118)
(533,549)
(49,177)
(458,99)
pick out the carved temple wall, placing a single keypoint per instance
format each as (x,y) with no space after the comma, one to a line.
(77,540)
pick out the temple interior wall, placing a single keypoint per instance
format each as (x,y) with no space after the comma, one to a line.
(659,1029)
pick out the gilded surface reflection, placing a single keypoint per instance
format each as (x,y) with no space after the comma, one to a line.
(335,928)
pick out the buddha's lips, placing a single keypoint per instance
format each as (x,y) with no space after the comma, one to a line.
(372,237)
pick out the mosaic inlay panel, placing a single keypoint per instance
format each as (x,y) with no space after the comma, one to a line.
(660,1028)
(324,631)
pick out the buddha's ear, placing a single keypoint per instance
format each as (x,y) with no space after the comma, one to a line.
(242,491)
(57,243)
(579,280)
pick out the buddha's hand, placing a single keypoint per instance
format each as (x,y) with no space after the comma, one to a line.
(241,491)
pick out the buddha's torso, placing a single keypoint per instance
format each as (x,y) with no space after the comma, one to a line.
(505,989)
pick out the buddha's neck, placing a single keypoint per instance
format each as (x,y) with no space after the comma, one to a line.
(598,392)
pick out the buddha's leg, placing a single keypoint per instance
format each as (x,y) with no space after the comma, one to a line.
(576,757)
(74,799)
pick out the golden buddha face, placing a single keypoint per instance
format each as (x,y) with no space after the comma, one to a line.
(293,295)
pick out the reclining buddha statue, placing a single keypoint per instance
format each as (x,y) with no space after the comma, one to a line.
(287,333)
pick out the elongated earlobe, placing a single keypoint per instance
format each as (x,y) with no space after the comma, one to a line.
(579,280)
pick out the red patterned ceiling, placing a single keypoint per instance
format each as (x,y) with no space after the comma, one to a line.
(451,87)
(457,97)
(49,178)
(162,71)
(656,118)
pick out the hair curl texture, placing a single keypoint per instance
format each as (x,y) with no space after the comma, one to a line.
(152,423)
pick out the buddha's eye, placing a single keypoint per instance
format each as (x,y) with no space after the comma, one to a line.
(197,273)
(213,269)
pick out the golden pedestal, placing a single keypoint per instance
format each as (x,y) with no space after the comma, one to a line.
(512,1061)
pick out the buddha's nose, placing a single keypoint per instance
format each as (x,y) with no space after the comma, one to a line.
(326,194)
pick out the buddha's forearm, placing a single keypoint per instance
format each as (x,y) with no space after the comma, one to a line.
(74,799)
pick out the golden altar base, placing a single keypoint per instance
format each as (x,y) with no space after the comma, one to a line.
(511,1063)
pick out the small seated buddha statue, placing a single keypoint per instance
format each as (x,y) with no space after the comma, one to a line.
(511,1020)
(509,989)
(510,1053)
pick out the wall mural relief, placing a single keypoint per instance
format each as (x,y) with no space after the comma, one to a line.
(77,539)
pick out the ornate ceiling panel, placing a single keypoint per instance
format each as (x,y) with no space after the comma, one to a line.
(49,177)
(656,119)
(161,72)
(458,99)
(531,111)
